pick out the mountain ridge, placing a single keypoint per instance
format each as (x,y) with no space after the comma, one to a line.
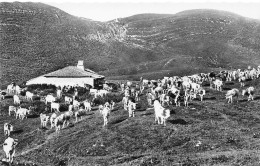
(37,38)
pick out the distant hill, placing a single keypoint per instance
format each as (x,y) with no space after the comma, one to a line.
(36,39)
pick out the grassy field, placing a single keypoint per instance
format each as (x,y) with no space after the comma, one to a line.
(229,135)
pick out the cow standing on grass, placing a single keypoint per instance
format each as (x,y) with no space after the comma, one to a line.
(232,93)
(160,113)
(105,113)
(131,108)
(9,148)
(249,92)
(8,128)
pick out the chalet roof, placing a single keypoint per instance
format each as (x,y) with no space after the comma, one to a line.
(73,71)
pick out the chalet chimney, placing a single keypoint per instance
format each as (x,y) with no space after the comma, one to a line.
(80,65)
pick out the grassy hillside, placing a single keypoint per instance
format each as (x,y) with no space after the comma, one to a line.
(36,39)
(229,135)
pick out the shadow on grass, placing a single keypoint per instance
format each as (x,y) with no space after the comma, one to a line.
(229,83)
(33,116)
(148,113)
(226,88)
(209,98)
(118,120)
(17,131)
(243,100)
(178,121)
(8,97)
(257,98)
(140,110)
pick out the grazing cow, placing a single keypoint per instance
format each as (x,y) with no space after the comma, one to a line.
(175,96)
(16,99)
(195,87)
(76,94)
(62,120)
(17,90)
(2,94)
(59,93)
(105,113)
(29,95)
(68,100)
(112,104)
(249,92)
(9,148)
(44,120)
(49,99)
(12,109)
(80,113)
(150,98)
(100,108)
(186,85)
(52,120)
(22,113)
(55,106)
(201,93)
(10,88)
(102,92)
(8,128)
(76,104)
(218,84)
(137,95)
(160,113)
(232,93)
(87,105)
(242,81)
(164,98)
(131,108)
(125,102)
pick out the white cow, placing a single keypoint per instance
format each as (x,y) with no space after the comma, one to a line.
(55,106)
(80,113)
(10,88)
(131,108)
(105,113)
(44,120)
(17,90)
(102,92)
(218,84)
(22,113)
(49,98)
(8,127)
(125,102)
(76,104)
(87,105)
(29,95)
(52,119)
(62,120)
(59,93)
(201,93)
(12,109)
(68,100)
(161,113)
(16,99)
(195,87)
(232,93)
(249,92)
(9,148)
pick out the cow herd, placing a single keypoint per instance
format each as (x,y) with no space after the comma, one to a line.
(160,94)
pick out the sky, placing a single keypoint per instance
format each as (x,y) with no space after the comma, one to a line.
(105,10)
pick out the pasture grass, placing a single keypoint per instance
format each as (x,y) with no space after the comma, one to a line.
(229,135)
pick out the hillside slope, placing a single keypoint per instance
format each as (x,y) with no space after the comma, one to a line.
(36,39)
